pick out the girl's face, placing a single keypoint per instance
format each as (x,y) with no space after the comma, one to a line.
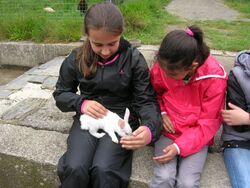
(180,74)
(177,74)
(103,43)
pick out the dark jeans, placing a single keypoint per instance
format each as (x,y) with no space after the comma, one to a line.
(93,163)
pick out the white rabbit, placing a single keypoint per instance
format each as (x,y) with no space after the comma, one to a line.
(110,123)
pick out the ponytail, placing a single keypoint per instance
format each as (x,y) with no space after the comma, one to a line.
(202,48)
(88,60)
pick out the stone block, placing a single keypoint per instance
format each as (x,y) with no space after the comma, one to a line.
(50,83)
(49,117)
(21,54)
(21,109)
(5,93)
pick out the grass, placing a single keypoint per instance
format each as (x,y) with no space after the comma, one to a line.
(26,20)
(149,28)
(233,36)
(145,20)
(242,6)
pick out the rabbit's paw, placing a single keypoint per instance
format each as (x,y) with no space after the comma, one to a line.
(84,127)
(115,140)
(113,137)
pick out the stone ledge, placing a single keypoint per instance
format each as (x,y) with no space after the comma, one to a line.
(29,54)
(29,157)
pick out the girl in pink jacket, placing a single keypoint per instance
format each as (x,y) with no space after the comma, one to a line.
(190,85)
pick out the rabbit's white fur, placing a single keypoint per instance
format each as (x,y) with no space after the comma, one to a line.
(110,123)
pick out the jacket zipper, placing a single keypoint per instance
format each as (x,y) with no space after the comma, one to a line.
(102,67)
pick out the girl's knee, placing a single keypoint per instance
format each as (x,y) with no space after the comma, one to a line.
(78,171)
(188,183)
(101,172)
(97,171)
(103,176)
(162,180)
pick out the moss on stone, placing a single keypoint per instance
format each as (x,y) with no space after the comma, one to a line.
(21,173)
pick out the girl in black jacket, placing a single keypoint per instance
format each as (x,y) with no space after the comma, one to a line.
(236,129)
(109,74)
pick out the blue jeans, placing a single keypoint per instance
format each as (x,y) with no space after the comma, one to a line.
(238,166)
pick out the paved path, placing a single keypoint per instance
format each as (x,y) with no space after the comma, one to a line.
(202,10)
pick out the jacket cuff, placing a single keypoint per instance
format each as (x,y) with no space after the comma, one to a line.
(177,147)
(82,106)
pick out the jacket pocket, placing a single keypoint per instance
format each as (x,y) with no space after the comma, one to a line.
(183,116)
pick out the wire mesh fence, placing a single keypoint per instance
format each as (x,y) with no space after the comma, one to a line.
(43,20)
(51,8)
(73,9)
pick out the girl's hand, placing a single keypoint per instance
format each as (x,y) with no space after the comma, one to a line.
(168,154)
(235,116)
(167,124)
(138,139)
(94,109)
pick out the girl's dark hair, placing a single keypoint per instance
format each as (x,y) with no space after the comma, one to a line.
(180,48)
(104,16)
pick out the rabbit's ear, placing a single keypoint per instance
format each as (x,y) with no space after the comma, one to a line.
(121,123)
(126,116)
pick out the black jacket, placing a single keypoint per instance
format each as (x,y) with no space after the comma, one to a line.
(236,136)
(124,83)
(236,96)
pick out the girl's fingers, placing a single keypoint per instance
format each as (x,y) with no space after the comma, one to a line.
(132,147)
(168,124)
(100,108)
(138,133)
(168,128)
(132,143)
(161,159)
(96,110)
(131,140)
(232,106)
(135,141)
(93,113)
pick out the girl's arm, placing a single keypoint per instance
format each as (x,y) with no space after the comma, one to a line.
(235,95)
(66,87)
(160,88)
(145,103)
(157,82)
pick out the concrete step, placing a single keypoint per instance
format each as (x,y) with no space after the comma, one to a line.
(28,158)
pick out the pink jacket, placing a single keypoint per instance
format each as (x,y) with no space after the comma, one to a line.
(193,107)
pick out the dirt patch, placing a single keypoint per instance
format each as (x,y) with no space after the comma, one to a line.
(9,73)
